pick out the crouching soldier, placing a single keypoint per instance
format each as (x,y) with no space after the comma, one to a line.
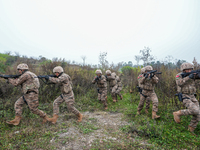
(142,97)
(102,87)
(186,87)
(148,85)
(30,84)
(111,78)
(65,83)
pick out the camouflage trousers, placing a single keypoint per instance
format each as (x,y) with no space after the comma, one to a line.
(33,103)
(119,88)
(192,105)
(102,96)
(113,90)
(69,99)
(151,95)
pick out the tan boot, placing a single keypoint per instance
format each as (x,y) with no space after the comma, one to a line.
(191,129)
(146,111)
(80,116)
(45,119)
(15,122)
(114,99)
(177,115)
(138,112)
(106,108)
(154,116)
(54,119)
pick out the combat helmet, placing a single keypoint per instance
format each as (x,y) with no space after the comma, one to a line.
(98,71)
(186,66)
(22,67)
(108,72)
(148,68)
(142,70)
(58,69)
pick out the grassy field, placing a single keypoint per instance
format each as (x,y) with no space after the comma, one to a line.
(162,133)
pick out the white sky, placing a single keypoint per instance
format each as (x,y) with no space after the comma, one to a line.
(70,28)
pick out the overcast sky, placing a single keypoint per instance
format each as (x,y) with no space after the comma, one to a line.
(70,28)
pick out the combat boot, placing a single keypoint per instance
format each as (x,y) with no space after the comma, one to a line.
(177,115)
(114,100)
(54,119)
(121,97)
(45,119)
(15,122)
(146,111)
(191,129)
(80,116)
(154,115)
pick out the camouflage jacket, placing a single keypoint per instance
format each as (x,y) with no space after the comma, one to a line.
(185,85)
(118,81)
(112,79)
(146,83)
(28,81)
(140,77)
(64,81)
(101,83)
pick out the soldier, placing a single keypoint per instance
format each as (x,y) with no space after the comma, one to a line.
(111,78)
(67,95)
(30,84)
(148,85)
(142,97)
(119,88)
(102,87)
(186,86)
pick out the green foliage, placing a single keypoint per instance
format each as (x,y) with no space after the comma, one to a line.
(127,70)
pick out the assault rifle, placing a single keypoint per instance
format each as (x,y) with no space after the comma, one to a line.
(10,76)
(46,77)
(187,74)
(152,73)
(97,78)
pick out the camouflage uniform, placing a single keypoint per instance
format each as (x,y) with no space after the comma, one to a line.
(67,95)
(112,84)
(119,87)
(142,98)
(30,85)
(186,86)
(148,90)
(102,89)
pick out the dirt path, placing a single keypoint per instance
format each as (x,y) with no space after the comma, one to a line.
(97,128)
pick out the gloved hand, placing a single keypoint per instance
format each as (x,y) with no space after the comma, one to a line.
(192,76)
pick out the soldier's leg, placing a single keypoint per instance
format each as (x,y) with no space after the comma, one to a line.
(196,118)
(141,104)
(18,112)
(56,104)
(99,96)
(33,103)
(104,98)
(154,99)
(118,92)
(113,92)
(70,107)
(19,106)
(148,101)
